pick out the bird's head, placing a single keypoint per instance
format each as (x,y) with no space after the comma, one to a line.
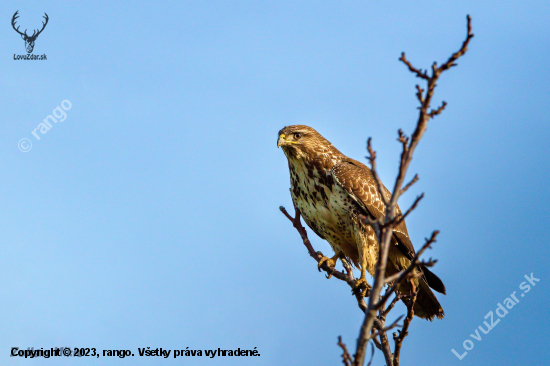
(299,141)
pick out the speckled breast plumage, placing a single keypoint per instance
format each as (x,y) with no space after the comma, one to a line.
(328,209)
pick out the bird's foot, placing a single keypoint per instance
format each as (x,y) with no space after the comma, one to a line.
(362,287)
(330,262)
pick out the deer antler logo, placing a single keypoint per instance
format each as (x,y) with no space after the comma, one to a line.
(29,40)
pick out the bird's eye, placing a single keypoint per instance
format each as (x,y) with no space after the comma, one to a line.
(297,135)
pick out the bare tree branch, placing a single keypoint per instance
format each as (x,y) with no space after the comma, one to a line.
(373,326)
(386,230)
(347,277)
(384,343)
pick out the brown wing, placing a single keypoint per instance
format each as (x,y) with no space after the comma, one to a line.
(357,179)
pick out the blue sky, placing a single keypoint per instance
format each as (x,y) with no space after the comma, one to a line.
(149,217)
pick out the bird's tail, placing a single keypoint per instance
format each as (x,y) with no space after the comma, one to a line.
(426,305)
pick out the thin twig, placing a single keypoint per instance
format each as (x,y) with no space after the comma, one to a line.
(409,185)
(419,73)
(434,113)
(419,94)
(346,357)
(377,342)
(372,160)
(397,297)
(404,331)
(402,217)
(463,49)
(385,329)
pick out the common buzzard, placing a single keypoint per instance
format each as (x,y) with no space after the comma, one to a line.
(332,191)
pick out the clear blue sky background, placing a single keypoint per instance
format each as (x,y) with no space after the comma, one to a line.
(149,217)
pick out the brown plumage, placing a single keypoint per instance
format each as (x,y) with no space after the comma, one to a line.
(331,192)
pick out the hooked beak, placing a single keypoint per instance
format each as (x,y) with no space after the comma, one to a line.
(281,141)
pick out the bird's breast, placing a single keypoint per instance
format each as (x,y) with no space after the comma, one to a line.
(324,205)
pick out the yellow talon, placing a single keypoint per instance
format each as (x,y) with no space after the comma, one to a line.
(331,262)
(362,285)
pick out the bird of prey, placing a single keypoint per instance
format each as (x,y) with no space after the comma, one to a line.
(332,192)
